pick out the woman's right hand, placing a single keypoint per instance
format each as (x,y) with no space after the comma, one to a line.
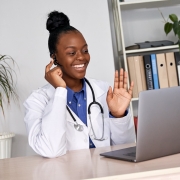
(54,76)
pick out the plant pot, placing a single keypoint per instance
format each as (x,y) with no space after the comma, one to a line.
(5,145)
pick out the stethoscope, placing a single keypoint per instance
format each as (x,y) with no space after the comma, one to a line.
(79,127)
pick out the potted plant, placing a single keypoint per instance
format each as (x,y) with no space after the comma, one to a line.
(173,25)
(7,93)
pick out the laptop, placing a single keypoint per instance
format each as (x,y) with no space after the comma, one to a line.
(158,130)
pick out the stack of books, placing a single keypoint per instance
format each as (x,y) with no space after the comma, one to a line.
(154,71)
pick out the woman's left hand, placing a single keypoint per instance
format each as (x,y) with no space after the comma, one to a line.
(119,99)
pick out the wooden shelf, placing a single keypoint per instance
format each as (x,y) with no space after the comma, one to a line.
(134,99)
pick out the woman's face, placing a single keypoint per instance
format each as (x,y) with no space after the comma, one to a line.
(72,54)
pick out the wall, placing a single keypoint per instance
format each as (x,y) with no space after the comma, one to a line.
(147,24)
(23,36)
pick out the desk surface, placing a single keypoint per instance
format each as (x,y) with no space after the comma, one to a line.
(84,164)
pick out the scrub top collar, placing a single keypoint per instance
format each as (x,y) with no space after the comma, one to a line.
(71,93)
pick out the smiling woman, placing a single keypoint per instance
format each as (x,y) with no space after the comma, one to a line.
(70,51)
(56,114)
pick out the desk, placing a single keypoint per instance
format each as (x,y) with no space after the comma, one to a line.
(84,164)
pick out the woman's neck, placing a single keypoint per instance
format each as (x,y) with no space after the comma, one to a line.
(74,84)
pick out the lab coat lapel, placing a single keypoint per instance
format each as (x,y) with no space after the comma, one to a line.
(70,119)
(50,92)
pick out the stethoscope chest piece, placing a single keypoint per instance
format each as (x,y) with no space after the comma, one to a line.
(78,127)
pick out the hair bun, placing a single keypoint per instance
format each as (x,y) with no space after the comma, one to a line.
(56,20)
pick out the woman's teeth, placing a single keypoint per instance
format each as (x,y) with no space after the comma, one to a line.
(79,66)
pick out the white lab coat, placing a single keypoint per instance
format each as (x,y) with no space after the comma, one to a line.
(50,127)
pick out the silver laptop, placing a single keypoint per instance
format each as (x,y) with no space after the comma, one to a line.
(158,131)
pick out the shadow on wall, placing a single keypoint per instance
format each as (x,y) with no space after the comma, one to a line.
(17,148)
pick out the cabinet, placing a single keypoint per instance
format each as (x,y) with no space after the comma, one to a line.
(139,21)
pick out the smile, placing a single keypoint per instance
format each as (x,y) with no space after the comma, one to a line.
(77,66)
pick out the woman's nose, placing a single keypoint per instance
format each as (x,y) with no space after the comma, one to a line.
(79,56)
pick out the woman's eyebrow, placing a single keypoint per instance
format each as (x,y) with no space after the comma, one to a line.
(74,46)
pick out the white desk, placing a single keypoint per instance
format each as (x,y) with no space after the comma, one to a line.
(84,164)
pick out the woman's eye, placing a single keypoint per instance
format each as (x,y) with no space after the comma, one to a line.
(71,53)
(86,51)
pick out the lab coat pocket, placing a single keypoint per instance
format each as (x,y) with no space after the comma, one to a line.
(76,139)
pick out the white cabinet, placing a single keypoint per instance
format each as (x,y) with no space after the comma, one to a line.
(139,21)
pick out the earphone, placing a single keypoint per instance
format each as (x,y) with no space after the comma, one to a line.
(55,60)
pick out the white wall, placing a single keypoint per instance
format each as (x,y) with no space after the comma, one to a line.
(147,24)
(23,35)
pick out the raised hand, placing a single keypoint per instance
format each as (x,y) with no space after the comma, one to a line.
(54,76)
(119,98)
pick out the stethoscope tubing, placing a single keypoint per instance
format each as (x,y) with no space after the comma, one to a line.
(79,127)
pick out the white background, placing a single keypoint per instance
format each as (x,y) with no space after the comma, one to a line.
(23,35)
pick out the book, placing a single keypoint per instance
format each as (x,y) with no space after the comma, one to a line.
(171,69)
(154,71)
(148,72)
(162,70)
(132,75)
(177,59)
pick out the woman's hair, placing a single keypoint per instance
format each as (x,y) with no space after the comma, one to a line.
(57,23)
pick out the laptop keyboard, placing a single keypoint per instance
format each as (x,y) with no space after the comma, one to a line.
(132,154)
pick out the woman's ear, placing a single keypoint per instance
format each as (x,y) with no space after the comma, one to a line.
(55,60)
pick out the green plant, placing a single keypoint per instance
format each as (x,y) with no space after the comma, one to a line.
(7,85)
(173,25)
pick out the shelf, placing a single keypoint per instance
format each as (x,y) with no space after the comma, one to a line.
(152,50)
(129,17)
(139,2)
(147,4)
(134,99)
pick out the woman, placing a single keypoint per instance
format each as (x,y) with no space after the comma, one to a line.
(56,114)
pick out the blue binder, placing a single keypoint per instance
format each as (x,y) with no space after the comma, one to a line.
(154,71)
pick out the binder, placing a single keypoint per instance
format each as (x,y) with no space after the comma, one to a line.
(148,72)
(171,69)
(132,75)
(138,73)
(162,71)
(143,76)
(154,71)
(177,59)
